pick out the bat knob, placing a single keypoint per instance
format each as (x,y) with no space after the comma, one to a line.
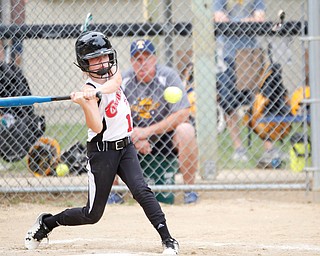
(99,95)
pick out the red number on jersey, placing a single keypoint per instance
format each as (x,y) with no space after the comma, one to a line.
(129,123)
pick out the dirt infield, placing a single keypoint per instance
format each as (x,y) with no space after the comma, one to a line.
(222,223)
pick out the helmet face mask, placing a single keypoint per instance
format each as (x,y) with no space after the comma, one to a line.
(92,45)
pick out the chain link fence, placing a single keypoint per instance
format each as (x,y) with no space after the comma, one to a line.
(252,126)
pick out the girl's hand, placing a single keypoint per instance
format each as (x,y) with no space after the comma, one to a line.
(78,97)
(82,97)
(90,94)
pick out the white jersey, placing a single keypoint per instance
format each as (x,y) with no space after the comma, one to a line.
(115,111)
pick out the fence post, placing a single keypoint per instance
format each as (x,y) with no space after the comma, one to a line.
(314,65)
(168,33)
(205,86)
(6,20)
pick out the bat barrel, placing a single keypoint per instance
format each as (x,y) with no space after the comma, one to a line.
(30,100)
(22,101)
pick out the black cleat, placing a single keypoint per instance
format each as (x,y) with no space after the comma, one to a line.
(37,233)
(170,247)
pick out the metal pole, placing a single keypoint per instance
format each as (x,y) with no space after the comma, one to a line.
(158,188)
(6,20)
(314,65)
(168,33)
(151,14)
(151,10)
(205,86)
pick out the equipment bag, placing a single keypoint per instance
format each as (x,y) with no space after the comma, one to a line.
(300,152)
(24,128)
(270,100)
(18,138)
(76,158)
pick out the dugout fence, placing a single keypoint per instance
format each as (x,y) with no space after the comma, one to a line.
(48,35)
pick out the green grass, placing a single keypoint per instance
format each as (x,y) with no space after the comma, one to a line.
(255,151)
(67,135)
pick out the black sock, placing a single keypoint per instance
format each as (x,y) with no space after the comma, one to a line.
(163,231)
(52,221)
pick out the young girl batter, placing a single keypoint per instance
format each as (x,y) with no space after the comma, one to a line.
(109,146)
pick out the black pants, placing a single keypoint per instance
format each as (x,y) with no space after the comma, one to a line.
(102,168)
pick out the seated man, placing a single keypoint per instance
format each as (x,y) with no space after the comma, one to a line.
(161,130)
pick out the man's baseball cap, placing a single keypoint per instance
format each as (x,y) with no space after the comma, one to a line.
(142,45)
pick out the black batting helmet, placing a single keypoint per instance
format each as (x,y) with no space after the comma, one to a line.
(93,44)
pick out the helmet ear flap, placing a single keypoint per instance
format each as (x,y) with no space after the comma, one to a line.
(83,65)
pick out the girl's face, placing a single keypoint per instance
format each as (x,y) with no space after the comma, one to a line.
(99,63)
(102,68)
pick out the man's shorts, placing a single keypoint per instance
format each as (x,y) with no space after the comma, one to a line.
(17,47)
(160,170)
(229,97)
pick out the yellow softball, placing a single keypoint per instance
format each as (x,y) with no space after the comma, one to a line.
(62,170)
(172,94)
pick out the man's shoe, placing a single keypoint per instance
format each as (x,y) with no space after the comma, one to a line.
(37,232)
(271,159)
(170,247)
(240,155)
(190,197)
(115,198)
